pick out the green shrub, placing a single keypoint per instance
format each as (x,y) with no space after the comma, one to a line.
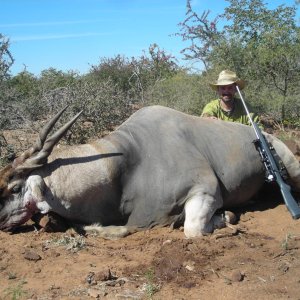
(184,92)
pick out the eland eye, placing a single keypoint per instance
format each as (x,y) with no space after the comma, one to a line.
(16,189)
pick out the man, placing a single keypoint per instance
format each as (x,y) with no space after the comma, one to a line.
(228,107)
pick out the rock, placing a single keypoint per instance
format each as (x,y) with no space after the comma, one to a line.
(93,278)
(53,253)
(127,294)
(167,242)
(284,267)
(52,223)
(3,266)
(90,278)
(37,270)
(12,276)
(104,276)
(230,217)
(95,293)
(236,276)
(30,255)
(189,265)
(246,217)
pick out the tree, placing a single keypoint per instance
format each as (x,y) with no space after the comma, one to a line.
(269,46)
(6,58)
(202,33)
(24,84)
(52,78)
(117,69)
(260,44)
(268,38)
(133,76)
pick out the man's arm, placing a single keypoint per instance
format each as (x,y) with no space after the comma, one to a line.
(209,111)
(256,119)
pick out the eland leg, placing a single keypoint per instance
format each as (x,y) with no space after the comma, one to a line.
(109,232)
(200,208)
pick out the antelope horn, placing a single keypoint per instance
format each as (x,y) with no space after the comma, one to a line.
(45,146)
(48,127)
(40,140)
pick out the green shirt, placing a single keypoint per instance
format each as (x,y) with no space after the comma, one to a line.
(238,114)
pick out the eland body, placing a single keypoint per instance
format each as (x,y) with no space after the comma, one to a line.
(159,167)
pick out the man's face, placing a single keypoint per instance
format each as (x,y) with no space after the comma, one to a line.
(227,92)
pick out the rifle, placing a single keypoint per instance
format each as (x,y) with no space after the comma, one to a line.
(273,171)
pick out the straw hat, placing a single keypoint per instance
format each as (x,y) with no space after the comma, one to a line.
(227,77)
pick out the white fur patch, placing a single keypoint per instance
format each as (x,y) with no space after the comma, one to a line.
(108,232)
(35,187)
(199,215)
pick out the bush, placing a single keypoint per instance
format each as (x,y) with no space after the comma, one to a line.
(103,106)
(184,92)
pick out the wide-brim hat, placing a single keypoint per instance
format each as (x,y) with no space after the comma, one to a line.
(227,77)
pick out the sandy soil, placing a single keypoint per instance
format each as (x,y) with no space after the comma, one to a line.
(258,258)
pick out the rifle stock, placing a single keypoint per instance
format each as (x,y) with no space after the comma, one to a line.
(272,171)
(289,201)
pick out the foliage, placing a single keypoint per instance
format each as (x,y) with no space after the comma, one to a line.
(24,85)
(118,69)
(16,292)
(151,287)
(107,95)
(260,44)
(202,34)
(6,151)
(70,242)
(184,92)
(134,76)
(51,79)
(104,107)
(6,58)
(268,43)
(6,61)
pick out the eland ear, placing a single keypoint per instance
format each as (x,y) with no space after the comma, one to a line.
(5,174)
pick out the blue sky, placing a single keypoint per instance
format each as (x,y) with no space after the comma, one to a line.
(75,34)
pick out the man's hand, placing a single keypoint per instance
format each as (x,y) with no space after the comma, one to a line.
(209,116)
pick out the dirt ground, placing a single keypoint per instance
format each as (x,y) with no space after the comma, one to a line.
(258,258)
